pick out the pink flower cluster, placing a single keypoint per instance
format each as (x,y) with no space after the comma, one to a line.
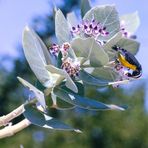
(55,49)
(71,66)
(90,28)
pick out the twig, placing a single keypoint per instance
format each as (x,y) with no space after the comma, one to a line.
(4,120)
(11,130)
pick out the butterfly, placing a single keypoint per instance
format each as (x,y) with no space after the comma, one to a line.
(128,60)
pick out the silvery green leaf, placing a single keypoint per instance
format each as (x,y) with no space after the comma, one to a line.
(71,53)
(110,43)
(91,80)
(126,43)
(83,102)
(119,82)
(79,85)
(72,20)
(50,59)
(106,73)
(129,44)
(90,50)
(38,94)
(130,22)
(39,86)
(35,56)
(113,41)
(69,82)
(62,29)
(59,62)
(85,6)
(43,50)
(107,16)
(100,76)
(43,120)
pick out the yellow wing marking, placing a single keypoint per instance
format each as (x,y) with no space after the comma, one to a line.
(125,63)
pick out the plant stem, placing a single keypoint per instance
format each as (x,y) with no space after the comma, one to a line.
(4,120)
(11,130)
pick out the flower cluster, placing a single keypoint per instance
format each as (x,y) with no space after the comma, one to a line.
(90,28)
(64,50)
(71,66)
(55,49)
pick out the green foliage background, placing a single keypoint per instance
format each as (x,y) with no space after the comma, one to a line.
(109,129)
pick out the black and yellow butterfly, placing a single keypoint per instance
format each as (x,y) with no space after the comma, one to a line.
(128,60)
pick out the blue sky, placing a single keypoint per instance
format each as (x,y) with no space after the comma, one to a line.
(15,14)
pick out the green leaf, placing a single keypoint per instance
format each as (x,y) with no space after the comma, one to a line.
(129,44)
(83,102)
(107,16)
(43,120)
(113,41)
(38,94)
(79,85)
(85,6)
(63,86)
(34,53)
(39,86)
(72,20)
(50,59)
(126,43)
(131,22)
(120,82)
(91,80)
(106,73)
(59,59)
(90,50)
(110,43)
(101,77)
(69,82)
(71,53)
(43,49)
(61,28)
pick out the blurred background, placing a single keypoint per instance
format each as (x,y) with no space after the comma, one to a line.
(110,129)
